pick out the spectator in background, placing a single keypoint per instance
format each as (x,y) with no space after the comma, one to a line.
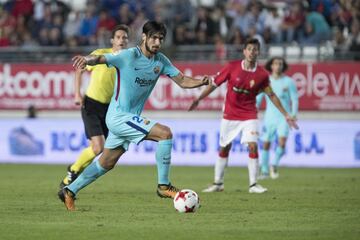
(292,23)
(339,17)
(256,17)
(241,20)
(112,6)
(273,20)
(22,8)
(204,27)
(237,39)
(43,37)
(55,37)
(72,25)
(323,7)
(105,21)
(7,27)
(88,26)
(182,11)
(339,44)
(136,26)
(124,15)
(353,40)
(28,42)
(182,35)
(222,22)
(317,29)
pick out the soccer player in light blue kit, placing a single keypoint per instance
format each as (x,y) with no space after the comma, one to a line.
(137,71)
(275,124)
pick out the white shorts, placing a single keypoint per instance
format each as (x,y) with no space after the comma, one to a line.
(230,129)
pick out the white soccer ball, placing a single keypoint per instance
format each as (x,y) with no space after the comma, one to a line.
(186,201)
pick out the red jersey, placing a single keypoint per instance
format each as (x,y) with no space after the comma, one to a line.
(242,88)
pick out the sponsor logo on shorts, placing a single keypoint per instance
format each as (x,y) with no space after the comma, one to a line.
(146,122)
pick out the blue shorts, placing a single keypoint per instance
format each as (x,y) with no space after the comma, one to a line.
(273,129)
(125,128)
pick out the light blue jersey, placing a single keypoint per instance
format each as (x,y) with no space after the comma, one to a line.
(136,76)
(285,90)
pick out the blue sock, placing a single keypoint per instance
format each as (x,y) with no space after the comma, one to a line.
(163,159)
(90,174)
(279,152)
(265,162)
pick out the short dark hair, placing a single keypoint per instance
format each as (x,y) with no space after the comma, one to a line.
(270,62)
(152,27)
(122,27)
(252,41)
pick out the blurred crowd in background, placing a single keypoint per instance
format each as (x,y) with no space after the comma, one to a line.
(28,23)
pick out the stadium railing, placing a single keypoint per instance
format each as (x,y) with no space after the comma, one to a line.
(293,53)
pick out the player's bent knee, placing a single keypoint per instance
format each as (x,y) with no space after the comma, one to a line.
(97,148)
(109,163)
(266,146)
(224,153)
(166,133)
(253,150)
(253,155)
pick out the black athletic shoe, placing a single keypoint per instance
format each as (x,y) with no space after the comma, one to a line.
(71,176)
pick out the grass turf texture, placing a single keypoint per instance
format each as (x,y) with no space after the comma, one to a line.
(301,204)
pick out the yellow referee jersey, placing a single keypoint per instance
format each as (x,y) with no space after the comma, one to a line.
(102,79)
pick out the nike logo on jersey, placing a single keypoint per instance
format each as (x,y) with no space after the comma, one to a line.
(137,69)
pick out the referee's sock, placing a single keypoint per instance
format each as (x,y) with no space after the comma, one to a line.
(84,159)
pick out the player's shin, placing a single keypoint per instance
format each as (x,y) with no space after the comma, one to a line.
(279,152)
(163,159)
(89,175)
(253,166)
(265,162)
(220,165)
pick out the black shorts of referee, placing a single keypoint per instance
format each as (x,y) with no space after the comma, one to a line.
(93,114)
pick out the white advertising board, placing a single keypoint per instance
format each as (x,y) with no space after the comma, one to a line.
(195,142)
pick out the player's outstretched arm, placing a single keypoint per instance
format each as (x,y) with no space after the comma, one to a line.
(78,98)
(80,62)
(209,89)
(276,101)
(189,82)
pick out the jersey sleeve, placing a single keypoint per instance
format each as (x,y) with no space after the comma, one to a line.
(222,76)
(169,69)
(119,59)
(266,82)
(293,97)
(259,99)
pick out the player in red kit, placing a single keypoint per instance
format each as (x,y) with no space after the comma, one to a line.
(245,79)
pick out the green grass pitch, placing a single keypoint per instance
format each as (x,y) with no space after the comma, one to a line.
(301,204)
